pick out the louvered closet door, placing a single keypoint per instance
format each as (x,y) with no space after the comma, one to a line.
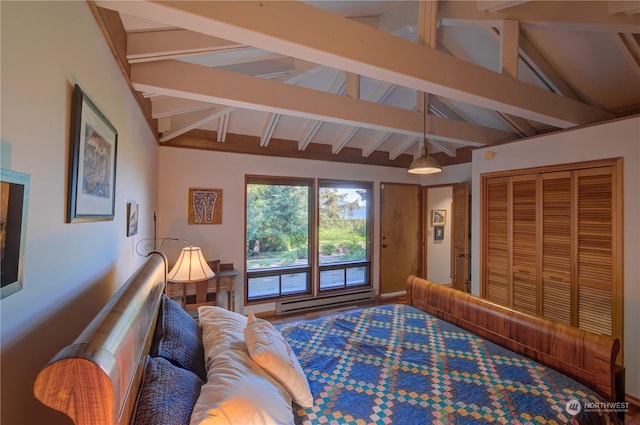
(556,246)
(525,243)
(552,241)
(595,273)
(497,241)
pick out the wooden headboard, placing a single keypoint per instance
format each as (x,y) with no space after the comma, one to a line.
(586,357)
(96,379)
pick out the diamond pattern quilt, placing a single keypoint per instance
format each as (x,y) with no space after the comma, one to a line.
(395,364)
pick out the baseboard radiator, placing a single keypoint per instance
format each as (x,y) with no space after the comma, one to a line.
(323,301)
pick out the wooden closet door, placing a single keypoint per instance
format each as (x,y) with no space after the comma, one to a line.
(497,241)
(556,246)
(595,250)
(525,211)
(461,256)
(552,243)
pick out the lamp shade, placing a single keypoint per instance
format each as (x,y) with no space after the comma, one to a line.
(190,267)
(425,164)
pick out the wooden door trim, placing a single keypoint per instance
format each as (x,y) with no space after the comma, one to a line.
(572,166)
(425,223)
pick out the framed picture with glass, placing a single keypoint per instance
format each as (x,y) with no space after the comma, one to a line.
(92,162)
(14,199)
(438,218)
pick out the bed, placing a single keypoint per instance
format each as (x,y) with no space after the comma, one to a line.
(443,357)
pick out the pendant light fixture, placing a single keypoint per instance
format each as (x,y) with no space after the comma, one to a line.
(424,164)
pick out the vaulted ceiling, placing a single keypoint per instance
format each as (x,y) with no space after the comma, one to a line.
(345,80)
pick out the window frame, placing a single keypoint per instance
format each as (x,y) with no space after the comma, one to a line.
(313,268)
(345,265)
(285,270)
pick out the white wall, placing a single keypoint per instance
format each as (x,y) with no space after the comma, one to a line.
(439,252)
(612,140)
(70,270)
(181,169)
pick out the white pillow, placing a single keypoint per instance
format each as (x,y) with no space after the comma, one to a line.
(222,330)
(238,392)
(268,348)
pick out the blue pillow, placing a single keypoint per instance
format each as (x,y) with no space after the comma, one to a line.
(167,394)
(179,338)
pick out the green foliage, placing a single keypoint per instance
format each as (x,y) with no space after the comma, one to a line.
(289,257)
(278,223)
(334,207)
(302,253)
(354,252)
(277,218)
(327,249)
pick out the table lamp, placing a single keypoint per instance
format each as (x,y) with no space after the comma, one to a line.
(190,267)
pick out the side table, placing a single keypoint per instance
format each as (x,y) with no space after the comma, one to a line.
(227,283)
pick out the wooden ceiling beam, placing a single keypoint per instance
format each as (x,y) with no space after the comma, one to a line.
(630,49)
(169,44)
(183,123)
(308,33)
(565,15)
(509,57)
(496,5)
(195,82)
(223,126)
(161,108)
(374,143)
(544,70)
(115,36)
(630,7)
(268,129)
(243,144)
(402,146)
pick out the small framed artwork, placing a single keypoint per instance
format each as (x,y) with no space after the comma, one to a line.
(132,219)
(438,233)
(205,206)
(14,199)
(438,218)
(92,162)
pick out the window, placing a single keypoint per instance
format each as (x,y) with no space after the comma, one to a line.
(278,235)
(282,260)
(344,234)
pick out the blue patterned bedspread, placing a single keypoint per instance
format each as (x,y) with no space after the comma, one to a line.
(395,364)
